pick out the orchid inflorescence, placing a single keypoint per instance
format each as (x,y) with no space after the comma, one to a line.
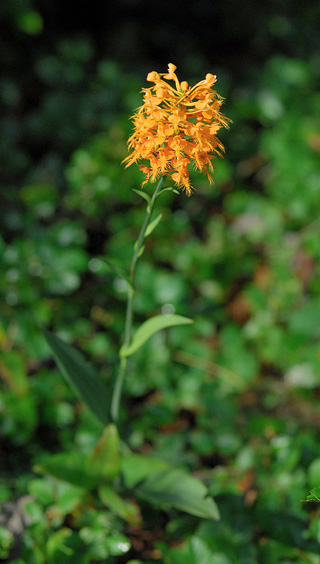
(177,125)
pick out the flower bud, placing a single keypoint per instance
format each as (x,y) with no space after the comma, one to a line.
(210,78)
(153,76)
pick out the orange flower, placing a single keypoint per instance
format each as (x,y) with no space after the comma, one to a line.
(175,126)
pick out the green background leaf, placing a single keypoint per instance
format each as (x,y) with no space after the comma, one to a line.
(69,467)
(104,460)
(136,467)
(122,508)
(181,490)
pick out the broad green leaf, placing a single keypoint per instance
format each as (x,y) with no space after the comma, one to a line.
(104,460)
(81,376)
(145,196)
(125,509)
(68,466)
(136,467)
(152,225)
(119,271)
(152,326)
(181,490)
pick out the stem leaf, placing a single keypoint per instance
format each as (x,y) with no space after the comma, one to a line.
(145,196)
(119,271)
(153,225)
(152,326)
(141,250)
(169,189)
(179,489)
(81,377)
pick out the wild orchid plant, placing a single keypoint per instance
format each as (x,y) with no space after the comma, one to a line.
(176,125)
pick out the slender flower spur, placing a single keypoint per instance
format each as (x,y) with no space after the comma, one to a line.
(177,125)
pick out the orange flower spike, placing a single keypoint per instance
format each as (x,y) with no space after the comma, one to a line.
(175,127)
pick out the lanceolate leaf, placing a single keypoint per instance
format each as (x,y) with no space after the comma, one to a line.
(153,225)
(81,376)
(152,326)
(141,251)
(181,490)
(145,196)
(168,189)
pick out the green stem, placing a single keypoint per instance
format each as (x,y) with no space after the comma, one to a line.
(115,403)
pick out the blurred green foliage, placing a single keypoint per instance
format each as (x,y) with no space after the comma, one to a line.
(233,398)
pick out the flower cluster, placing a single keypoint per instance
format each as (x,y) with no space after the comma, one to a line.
(177,125)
